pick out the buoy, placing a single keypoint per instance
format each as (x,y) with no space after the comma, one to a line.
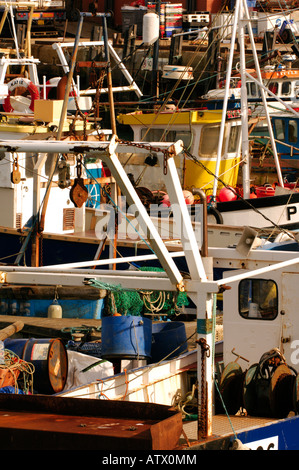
(166,201)
(61,87)
(227,194)
(20,103)
(189,198)
(151,28)
(55,310)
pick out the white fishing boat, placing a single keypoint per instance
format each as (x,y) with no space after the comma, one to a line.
(167,382)
(257,285)
(211,170)
(281,80)
(44,191)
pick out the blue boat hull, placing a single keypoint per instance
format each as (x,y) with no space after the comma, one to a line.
(280,435)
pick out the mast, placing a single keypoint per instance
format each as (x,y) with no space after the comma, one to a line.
(242,19)
(225,99)
(263,94)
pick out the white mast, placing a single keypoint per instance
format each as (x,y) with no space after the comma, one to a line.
(242,19)
(225,99)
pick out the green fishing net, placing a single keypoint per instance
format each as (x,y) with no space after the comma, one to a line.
(131,302)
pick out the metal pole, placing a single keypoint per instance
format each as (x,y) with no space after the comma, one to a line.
(244,108)
(109,77)
(259,76)
(225,100)
(155,83)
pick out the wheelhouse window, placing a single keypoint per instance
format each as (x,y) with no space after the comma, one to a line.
(258,299)
(209,140)
(164,135)
(252,90)
(279,126)
(286,88)
(293,131)
(234,139)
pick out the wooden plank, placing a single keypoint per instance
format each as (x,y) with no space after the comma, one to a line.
(38,327)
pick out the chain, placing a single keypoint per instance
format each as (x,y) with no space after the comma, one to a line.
(150,148)
(79,166)
(202,410)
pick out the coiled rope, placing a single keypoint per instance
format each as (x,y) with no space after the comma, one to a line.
(17,366)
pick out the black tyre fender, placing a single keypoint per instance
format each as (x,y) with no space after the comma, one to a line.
(215,213)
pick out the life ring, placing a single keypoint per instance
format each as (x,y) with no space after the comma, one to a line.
(20,82)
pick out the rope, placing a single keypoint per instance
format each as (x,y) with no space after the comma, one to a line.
(15,365)
(133,302)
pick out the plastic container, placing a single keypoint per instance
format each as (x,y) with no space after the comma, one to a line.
(151,28)
(177,72)
(265,191)
(168,339)
(126,337)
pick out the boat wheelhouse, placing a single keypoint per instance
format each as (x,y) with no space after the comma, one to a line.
(199,130)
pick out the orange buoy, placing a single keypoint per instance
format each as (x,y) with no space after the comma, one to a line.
(227,194)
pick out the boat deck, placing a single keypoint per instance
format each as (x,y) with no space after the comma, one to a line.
(222,427)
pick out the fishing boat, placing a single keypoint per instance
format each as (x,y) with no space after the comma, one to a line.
(255,286)
(258,378)
(281,80)
(41,190)
(241,203)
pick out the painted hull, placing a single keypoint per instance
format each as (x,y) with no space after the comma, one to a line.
(154,383)
(252,433)
(280,210)
(195,177)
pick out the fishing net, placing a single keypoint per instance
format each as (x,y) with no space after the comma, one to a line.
(133,302)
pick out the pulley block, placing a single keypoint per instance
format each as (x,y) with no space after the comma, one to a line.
(15,174)
(78,192)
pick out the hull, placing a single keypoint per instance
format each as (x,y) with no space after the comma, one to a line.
(252,433)
(157,383)
(280,210)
